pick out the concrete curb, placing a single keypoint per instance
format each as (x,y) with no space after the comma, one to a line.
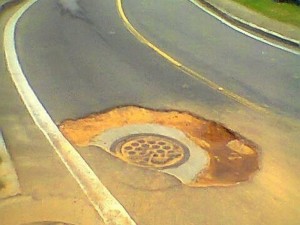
(108,208)
(247,25)
(7,3)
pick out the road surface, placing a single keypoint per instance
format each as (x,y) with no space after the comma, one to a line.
(80,59)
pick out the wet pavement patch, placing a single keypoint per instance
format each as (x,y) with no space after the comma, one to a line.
(197,151)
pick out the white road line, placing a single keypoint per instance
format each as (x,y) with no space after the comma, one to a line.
(110,210)
(243,31)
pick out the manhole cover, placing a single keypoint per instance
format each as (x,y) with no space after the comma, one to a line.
(205,153)
(151,150)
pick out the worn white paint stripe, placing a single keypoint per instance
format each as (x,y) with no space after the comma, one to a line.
(110,210)
(195,2)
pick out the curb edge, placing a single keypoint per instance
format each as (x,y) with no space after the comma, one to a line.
(7,4)
(247,25)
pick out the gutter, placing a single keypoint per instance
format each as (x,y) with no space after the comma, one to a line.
(249,26)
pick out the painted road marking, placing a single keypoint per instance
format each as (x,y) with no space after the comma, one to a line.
(110,210)
(245,32)
(184,68)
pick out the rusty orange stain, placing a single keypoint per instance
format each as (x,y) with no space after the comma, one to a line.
(233,158)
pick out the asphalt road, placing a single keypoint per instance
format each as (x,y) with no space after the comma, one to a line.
(83,60)
(40,197)
(94,48)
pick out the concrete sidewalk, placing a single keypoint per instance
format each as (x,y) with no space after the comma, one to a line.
(251,20)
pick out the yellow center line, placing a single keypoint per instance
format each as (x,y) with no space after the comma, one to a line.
(184,68)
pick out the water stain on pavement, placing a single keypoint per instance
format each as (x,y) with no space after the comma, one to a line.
(75,11)
(72,8)
(232,158)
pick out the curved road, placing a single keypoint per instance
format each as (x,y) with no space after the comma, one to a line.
(80,59)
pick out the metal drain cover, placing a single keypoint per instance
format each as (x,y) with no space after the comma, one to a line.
(151,150)
(217,156)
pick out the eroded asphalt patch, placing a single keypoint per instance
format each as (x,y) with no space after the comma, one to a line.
(197,151)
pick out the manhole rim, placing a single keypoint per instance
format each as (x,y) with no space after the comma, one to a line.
(122,140)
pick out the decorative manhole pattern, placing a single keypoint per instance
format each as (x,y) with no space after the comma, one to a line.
(232,157)
(151,150)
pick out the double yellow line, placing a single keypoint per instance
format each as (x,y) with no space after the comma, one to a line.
(184,68)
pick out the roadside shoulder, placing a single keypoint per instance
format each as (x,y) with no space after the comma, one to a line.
(253,21)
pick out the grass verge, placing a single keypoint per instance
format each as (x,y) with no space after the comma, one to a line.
(285,12)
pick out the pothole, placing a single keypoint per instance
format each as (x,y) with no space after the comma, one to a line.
(197,151)
(151,150)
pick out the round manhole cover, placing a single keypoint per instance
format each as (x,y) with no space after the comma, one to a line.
(151,150)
